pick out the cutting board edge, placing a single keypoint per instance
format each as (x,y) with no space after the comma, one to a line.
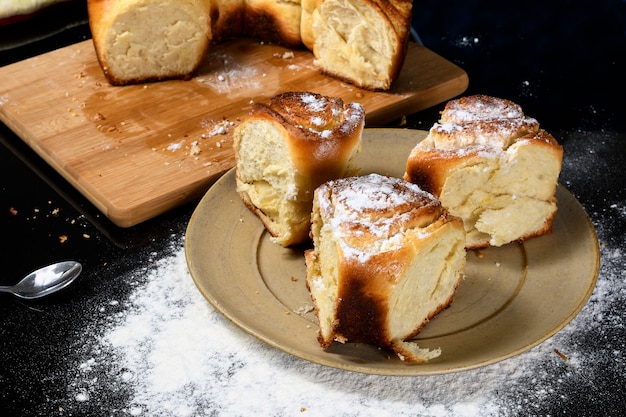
(454,87)
(127,215)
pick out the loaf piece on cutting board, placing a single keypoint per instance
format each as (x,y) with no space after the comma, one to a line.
(360,41)
(149,40)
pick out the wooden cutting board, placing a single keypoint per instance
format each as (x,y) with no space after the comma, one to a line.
(138,151)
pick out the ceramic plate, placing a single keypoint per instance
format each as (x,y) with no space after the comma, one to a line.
(512,299)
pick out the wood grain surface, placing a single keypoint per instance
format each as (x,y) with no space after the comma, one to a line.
(137,151)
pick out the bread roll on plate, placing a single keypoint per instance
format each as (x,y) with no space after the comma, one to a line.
(492,166)
(149,40)
(287,148)
(386,258)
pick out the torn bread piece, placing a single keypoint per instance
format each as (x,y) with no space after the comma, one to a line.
(285,149)
(492,166)
(363,42)
(386,259)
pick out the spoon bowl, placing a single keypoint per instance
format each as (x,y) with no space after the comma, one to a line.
(45,281)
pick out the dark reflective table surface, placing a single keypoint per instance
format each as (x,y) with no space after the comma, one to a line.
(563,63)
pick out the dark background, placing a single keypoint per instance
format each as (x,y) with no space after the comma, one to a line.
(563,62)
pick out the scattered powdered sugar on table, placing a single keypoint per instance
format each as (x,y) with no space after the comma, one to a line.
(169,353)
(177,356)
(467,41)
(226,75)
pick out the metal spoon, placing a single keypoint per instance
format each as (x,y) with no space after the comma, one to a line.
(45,280)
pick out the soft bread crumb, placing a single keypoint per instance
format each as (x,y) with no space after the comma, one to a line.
(492,166)
(362,42)
(386,259)
(146,40)
(411,352)
(287,148)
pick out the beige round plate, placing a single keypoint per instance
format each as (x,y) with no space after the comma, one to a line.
(513,298)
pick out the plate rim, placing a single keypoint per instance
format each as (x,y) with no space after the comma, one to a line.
(327,359)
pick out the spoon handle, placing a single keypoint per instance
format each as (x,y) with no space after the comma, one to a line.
(6,288)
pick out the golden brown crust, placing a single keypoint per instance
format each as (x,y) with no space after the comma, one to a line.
(430,167)
(480,120)
(321,132)
(374,207)
(482,150)
(287,22)
(98,22)
(370,59)
(479,107)
(286,148)
(120,29)
(273,21)
(382,227)
(363,298)
(399,13)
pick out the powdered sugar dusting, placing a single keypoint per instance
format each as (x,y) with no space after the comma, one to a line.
(226,76)
(313,102)
(480,107)
(359,212)
(480,121)
(377,192)
(318,114)
(166,352)
(177,356)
